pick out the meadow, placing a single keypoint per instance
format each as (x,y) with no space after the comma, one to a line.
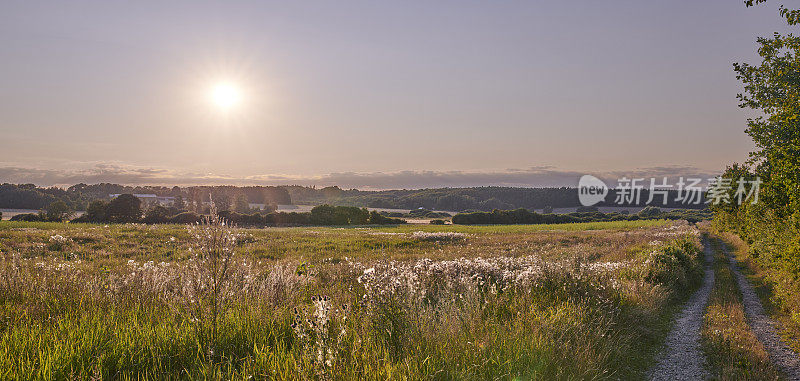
(570,301)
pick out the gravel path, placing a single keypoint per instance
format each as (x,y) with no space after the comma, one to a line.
(682,358)
(766,329)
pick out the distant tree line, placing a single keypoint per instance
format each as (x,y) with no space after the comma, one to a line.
(475,198)
(417,213)
(29,196)
(524,216)
(127,208)
(197,198)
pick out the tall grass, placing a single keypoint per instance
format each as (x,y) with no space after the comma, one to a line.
(544,313)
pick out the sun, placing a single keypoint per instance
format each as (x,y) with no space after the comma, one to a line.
(226,96)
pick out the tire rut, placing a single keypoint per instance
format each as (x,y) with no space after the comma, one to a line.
(766,329)
(682,357)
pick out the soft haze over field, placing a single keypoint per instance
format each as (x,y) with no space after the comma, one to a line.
(510,93)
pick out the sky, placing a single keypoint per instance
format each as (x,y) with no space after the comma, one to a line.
(372,94)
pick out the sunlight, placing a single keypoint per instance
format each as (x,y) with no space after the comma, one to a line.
(226,96)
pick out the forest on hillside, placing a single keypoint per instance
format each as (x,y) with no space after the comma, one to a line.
(464,199)
(77,197)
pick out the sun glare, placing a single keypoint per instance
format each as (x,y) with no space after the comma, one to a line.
(226,96)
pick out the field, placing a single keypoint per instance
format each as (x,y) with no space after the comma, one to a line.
(572,301)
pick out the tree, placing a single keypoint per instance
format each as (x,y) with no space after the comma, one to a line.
(241,204)
(124,208)
(179,203)
(792,16)
(157,215)
(96,211)
(57,211)
(773,89)
(222,200)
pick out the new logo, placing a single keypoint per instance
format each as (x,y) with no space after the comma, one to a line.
(591,190)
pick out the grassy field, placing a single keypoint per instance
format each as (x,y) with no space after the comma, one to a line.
(575,301)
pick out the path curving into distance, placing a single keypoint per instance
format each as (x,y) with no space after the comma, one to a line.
(682,358)
(765,329)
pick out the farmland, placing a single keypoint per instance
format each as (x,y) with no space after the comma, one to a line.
(126,301)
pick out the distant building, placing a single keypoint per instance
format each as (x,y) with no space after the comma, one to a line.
(150,199)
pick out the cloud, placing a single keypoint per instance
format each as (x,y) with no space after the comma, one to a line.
(529,177)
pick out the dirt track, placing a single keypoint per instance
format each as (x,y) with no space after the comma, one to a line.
(683,358)
(765,329)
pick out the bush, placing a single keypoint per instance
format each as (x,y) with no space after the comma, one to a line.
(29,217)
(339,215)
(677,265)
(437,222)
(376,218)
(649,212)
(185,218)
(157,215)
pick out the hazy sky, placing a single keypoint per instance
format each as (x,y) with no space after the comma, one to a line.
(374,93)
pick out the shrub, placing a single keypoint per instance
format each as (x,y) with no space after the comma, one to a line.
(677,265)
(649,212)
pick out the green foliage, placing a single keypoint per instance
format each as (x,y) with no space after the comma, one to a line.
(772,89)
